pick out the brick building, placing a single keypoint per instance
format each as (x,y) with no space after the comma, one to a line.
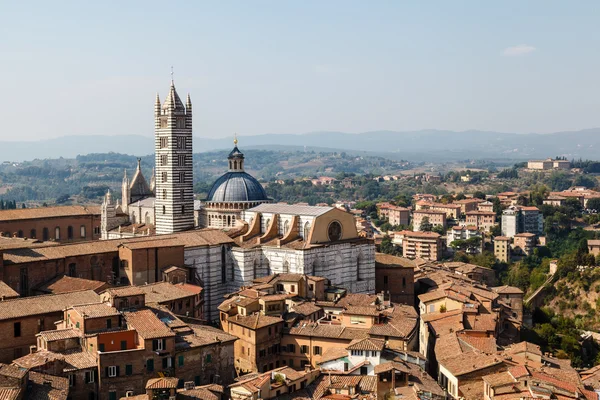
(60,224)
(395,276)
(436,218)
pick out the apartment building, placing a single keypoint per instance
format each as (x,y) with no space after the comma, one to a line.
(482,220)
(521,219)
(435,218)
(468,234)
(451,210)
(502,248)
(467,205)
(395,215)
(425,245)
(524,243)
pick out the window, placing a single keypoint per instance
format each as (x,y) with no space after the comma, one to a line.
(269,329)
(123,344)
(108,323)
(112,371)
(45,235)
(82,231)
(181,160)
(128,369)
(304,349)
(100,346)
(364,370)
(181,142)
(432,308)
(183,209)
(291,348)
(164,160)
(112,395)
(180,361)
(181,177)
(89,376)
(223,265)
(164,194)
(158,344)
(293,288)
(403,282)
(182,195)
(70,232)
(20,233)
(150,365)
(334,231)
(208,358)
(17,329)
(356,352)
(385,280)
(164,141)
(57,233)
(72,270)
(164,210)
(291,362)
(181,123)
(32,234)
(71,380)
(316,350)
(164,177)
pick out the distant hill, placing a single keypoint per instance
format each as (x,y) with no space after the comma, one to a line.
(425,145)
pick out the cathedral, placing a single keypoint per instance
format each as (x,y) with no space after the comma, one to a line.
(265,238)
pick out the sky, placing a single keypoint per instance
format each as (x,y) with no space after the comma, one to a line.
(256,67)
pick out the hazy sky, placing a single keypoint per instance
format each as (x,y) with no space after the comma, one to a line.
(252,67)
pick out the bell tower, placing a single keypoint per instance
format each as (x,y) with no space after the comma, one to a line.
(174,197)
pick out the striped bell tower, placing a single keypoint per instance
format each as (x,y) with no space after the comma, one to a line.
(174,204)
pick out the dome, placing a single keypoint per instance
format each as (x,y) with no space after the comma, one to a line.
(236,187)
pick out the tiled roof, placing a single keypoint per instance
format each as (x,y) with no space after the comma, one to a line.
(524,347)
(147,325)
(9,393)
(12,371)
(47,387)
(307,308)
(357,299)
(60,334)
(333,353)
(193,238)
(362,310)
(65,284)
(393,261)
(98,310)
(37,359)
(368,344)
(45,304)
(481,322)
(392,365)
(194,289)
(279,208)
(507,290)
(48,212)
(469,362)
(125,291)
(328,331)
(6,292)
(485,345)
(162,292)
(202,335)
(255,321)
(162,383)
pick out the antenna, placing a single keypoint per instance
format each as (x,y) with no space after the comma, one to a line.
(171,74)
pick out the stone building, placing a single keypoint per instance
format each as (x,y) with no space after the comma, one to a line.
(395,276)
(231,194)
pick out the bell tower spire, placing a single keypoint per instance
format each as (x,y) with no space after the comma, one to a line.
(173,185)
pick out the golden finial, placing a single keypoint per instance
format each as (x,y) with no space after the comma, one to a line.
(235,141)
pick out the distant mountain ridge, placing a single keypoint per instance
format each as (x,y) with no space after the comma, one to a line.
(424,145)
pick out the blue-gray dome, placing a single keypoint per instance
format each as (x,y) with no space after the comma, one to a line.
(236,186)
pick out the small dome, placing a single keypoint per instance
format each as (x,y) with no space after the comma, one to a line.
(236,186)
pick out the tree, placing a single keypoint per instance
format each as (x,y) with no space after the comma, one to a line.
(585,181)
(479,195)
(593,204)
(426,226)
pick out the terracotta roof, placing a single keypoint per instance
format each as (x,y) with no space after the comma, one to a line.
(7,393)
(502,238)
(328,331)
(307,308)
(524,347)
(97,310)
(357,299)
(162,292)
(481,322)
(147,325)
(333,353)
(507,290)
(202,335)
(125,291)
(485,345)
(162,383)
(12,371)
(47,387)
(368,344)
(388,260)
(6,292)
(50,303)
(469,362)
(255,321)
(422,235)
(48,212)
(392,365)
(518,371)
(195,289)
(65,284)
(371,311)
(60,334)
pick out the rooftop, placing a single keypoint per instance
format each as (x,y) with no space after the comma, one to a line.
(48,212)
(65,284)
(292,209)
(161,292)
(51,303)
(147,324)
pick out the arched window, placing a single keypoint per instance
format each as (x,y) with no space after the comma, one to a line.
(133,220)
(235,165)
(286,266)
(72,270)
(164,194)
(147,219)
(306,230)
(164,210)
(32,234)
(70,232)
(20,233)
(45,235)
(183,209)
(286,227)
(255,269)
(82,231)
(268,265)
(223,265)
(267,223)
(358,268)
(57,233)
(229,220)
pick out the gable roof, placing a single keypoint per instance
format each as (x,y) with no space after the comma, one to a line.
(50,303)
(290,209)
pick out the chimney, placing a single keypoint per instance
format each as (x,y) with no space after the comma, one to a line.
(32,349)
